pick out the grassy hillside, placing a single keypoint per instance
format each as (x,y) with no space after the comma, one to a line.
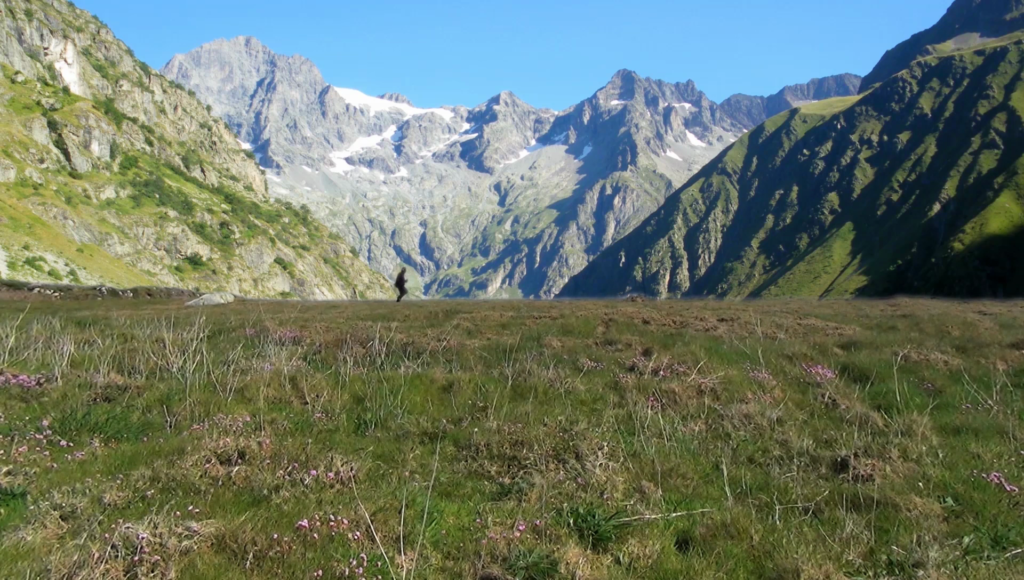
(112,174)
(512,440)
(913,187)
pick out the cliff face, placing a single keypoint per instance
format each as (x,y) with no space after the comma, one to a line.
(114,174)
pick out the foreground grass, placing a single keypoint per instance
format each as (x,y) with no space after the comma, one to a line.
(512,440)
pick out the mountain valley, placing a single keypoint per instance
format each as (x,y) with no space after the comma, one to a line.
(499,200)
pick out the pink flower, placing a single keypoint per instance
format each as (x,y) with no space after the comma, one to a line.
(302,525)
(998,479)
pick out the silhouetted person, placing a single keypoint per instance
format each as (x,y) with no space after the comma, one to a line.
(400,284)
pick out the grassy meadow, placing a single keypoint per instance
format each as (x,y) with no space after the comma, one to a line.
(499,440)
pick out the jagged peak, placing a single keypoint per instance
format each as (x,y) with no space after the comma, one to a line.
(625,74)
(396,98)
(505,98)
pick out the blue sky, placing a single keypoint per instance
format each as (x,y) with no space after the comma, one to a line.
(552,53)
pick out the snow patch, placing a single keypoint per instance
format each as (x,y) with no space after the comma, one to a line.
(244,145)
(522,155)
(694,140)
(273,178)
(403,172)
(686,106)
(618,102)
(308,170)
(672,155)
(360,144)
(375,105)
(340,165)
(586,151)
(531,148)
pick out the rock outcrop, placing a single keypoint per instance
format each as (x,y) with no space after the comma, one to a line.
(119,176)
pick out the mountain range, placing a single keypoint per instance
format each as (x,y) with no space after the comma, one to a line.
(499,200)
(913,186)
(112,174)
(239,169)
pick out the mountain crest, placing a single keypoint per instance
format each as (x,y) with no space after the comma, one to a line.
(396,98)
(967,23)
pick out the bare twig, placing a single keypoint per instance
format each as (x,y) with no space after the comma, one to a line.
(662,516)
(426,508)
(372,529)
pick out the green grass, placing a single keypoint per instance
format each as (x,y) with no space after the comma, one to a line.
(513,439)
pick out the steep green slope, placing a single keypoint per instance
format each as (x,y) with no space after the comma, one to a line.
(111,174)
(913,187)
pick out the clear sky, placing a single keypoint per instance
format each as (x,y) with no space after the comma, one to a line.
(552,53)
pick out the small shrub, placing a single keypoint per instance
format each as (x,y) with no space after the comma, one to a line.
(154,188)
(53,273)
(191,160)
(109,108)
(596,529)
(52,124)
(195,260)
(284,264)
(37,263)
(128,162)
(533,564)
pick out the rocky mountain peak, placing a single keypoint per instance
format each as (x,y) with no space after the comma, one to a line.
(396,98)
(505,99)
(623,86)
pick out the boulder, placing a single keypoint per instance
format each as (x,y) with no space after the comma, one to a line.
(215,299)
(38,130)
(7,171)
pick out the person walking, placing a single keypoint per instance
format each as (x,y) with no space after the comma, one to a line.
(400,284)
